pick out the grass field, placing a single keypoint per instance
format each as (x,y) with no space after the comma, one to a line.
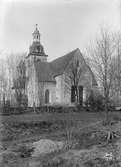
(33,124)
(33,117)
(27,128)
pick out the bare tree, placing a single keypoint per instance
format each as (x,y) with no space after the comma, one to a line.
(101,56)
(72,79)
(116,89)
(14,64)
(19,83)
(3,82)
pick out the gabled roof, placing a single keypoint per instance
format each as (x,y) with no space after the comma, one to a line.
(59,65)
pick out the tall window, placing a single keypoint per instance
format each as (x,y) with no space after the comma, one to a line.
(80,95)
(47,96)
(73,94)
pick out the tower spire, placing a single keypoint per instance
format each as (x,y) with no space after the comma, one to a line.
(36,34)
(36,48)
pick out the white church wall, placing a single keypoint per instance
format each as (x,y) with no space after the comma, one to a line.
(32,87)
(67,89)
(63,96)
(41,93)
(86,80)
(58,88)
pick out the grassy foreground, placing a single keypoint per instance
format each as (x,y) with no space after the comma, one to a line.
(81,130)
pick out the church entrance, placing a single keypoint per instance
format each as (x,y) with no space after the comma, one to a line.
(47,96)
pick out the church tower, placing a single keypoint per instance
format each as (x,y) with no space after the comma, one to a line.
(36,50)
(36,53)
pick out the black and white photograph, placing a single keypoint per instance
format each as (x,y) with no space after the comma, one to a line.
(60,83)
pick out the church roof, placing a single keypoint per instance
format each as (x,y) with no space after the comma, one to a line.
(46,71)
(59,65)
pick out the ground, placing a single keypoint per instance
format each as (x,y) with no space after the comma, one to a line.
(81,134)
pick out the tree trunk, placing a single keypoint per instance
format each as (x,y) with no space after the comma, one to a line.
(106,109)
(3,102)
(77,95)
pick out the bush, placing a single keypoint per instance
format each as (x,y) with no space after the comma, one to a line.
(101,163)
(24,151)
(111,105)
(24,101)
(57,108)
(57,162)
(94,102)
(116,118)
(6,107)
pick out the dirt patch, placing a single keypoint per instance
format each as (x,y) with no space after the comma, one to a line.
(45,146)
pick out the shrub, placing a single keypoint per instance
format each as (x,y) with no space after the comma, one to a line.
(24,101)
(6,107)
(116,118)
(78,108)
(25,151)
(101,163)
(57,162)
(94,102)
(58,108)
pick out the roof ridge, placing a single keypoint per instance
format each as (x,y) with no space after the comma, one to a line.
(71,58)
(59,65)
(64,55)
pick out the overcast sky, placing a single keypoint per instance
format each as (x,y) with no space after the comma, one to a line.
(64,24)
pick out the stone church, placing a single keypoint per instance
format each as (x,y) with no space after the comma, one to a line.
(46,81)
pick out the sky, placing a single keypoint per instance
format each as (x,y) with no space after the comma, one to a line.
(64,25)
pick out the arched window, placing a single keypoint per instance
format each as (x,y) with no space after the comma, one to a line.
(73,94)
(47,96)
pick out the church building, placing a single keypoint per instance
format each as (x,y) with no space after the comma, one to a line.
(50,82)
